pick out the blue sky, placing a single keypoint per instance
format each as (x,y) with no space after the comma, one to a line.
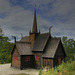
(16,16)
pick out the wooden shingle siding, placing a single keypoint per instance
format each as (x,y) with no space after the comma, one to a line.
(16,59)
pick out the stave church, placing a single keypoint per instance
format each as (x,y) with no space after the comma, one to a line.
(37,50)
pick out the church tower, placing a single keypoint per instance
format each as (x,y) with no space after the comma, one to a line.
(34,33)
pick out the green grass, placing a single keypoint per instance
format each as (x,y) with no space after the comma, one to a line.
(63,69)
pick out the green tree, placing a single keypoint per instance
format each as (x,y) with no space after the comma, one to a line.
(5,53)
(5,48)
(1,32)
(69,45)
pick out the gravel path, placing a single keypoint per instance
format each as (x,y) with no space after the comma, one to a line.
(5,69)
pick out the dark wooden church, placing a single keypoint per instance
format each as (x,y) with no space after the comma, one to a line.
(37,50)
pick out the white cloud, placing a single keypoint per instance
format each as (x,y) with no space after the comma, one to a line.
(19,21)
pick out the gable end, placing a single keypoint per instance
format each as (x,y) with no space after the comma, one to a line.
(60,52)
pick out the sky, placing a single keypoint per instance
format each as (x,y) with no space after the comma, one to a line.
(16,17)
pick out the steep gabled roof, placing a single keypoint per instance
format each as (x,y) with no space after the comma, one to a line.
(24,48)
(51,47)
(40,42)
(25,39)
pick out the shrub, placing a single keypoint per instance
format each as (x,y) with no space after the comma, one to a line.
(67,68)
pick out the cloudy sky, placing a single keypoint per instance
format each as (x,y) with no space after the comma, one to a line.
(16,16)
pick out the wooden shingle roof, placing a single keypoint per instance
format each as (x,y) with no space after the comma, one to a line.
(40,42)
(24,48)
(51,47)
(25,39)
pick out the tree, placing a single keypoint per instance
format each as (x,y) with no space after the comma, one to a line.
(1,32)
(5,48)
(69,45)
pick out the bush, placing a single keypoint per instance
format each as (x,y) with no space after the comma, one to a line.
(67,68)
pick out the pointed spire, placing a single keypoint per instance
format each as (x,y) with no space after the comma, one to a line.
(34,29)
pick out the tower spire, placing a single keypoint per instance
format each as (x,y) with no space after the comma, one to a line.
(34,29)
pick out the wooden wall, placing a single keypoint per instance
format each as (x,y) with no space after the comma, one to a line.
(43,62)
(16,59)
(39,60)
(47,62)
(27,64)
(32,37)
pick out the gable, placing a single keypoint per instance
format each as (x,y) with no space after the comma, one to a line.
(60,51)
(16,51)
(13,49)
